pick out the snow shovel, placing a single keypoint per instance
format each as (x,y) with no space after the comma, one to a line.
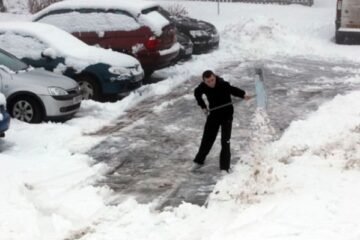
(224,105)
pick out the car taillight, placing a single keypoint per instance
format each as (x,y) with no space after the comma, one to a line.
(152,43)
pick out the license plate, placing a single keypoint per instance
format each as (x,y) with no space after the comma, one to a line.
(77,99)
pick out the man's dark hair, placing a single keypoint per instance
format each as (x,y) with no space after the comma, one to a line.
(207,74)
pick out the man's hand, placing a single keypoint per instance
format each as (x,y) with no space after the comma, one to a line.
(248,97)
(206,111)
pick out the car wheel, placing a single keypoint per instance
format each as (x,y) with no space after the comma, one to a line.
(26,109)
(88,87)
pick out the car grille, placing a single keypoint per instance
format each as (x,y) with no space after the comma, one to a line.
(73,91)
(136,72)
(134,68)
(70,108)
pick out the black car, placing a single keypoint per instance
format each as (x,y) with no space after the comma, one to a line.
(203,35)
(186,47)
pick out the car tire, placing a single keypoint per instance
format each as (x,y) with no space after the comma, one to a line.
(26,109)
(89,87)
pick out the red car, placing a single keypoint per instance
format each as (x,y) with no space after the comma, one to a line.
(133,27)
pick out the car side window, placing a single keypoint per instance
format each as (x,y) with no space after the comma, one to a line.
(92,21)
(26,46)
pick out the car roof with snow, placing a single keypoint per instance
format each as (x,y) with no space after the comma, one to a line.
(66,44)
(134,7)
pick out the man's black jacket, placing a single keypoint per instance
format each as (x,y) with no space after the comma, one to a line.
(217,96)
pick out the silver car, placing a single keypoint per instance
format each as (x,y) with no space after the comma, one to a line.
(34,95)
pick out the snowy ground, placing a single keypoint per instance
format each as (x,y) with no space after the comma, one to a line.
(300,184)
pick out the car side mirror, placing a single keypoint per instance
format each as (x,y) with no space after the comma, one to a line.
(48,53)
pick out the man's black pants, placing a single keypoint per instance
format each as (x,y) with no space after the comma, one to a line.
(211,129)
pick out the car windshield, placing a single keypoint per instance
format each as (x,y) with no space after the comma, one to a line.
(62,41)
(11,62)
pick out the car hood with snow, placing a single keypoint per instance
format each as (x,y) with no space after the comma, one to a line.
(44,78)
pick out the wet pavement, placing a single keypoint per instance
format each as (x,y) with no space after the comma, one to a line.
(150,149)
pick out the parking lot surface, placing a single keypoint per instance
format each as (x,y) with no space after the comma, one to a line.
(150,149)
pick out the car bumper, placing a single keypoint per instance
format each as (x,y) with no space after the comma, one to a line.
(349,32)
(4,123)
(59,107)
(185,53)
(201,46)
(121,87)
(160,59)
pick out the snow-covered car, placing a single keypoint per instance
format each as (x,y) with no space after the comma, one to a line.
(347,23)
(4,116)
(99,72)
(134,27)
(34,95)
(203,35)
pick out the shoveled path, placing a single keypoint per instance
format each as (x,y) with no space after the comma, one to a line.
(151,147)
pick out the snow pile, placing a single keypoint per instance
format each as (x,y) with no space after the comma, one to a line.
(334,141)
(16,6)
(248,183)
(274,37)
(253,33)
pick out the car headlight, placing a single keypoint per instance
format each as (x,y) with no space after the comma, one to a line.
(119,71)
(56,91)
(198,33)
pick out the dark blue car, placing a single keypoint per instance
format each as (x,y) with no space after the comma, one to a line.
(4,120)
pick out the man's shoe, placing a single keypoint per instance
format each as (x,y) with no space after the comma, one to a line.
(224,172)
(195,167)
